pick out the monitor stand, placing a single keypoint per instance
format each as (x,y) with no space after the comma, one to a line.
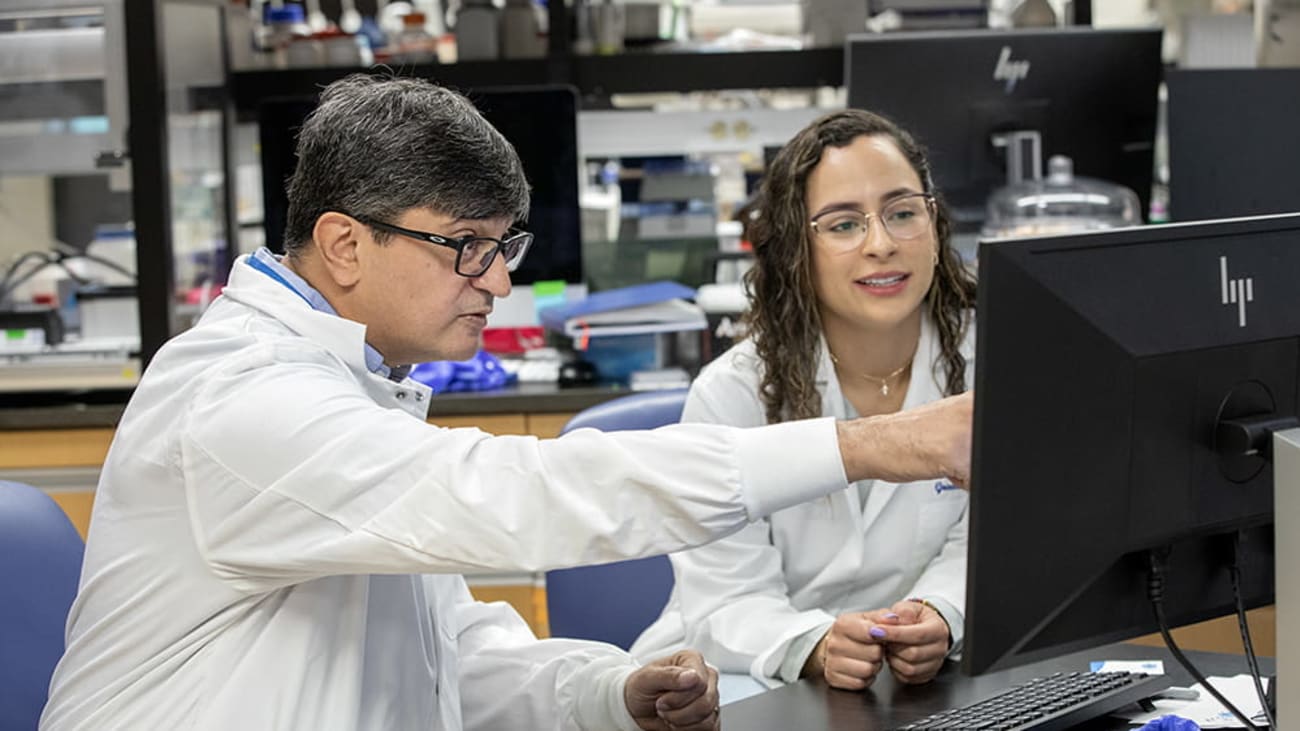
(1286,529)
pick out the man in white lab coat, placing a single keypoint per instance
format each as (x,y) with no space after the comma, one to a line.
(279,536)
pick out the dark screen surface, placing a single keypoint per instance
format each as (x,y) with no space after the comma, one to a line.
(1091,94)
(1105,363)
(540,121)
(1234,142)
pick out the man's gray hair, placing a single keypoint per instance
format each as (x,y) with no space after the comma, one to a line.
(378,146)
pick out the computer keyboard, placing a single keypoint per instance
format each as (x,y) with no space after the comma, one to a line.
(1058,701)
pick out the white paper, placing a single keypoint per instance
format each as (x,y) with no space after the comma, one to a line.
(668,316)
(1150,667)
(1206,711)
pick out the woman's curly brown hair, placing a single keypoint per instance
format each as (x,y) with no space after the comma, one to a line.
(783,316)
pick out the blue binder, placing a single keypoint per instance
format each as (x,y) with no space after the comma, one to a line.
(651,307)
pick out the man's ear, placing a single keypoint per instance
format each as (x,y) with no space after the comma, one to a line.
(335,236)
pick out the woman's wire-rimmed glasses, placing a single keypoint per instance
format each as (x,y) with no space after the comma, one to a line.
(906,217)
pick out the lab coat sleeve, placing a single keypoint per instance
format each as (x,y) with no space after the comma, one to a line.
(735,603)
(292,472)
(509,679)
(944,579)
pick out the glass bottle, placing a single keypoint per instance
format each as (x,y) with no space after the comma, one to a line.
(413,43)
(478,31)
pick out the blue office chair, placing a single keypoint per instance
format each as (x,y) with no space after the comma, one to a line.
(614,602)
(40,566)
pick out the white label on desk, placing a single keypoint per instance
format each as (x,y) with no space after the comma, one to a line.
(1150,667)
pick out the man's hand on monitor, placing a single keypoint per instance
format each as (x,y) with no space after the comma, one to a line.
(932,441)
(678,692)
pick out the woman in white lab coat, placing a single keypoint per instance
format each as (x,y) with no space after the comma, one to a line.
(859,306)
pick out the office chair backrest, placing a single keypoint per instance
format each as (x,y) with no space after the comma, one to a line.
(614,602)
(644,410)
(40,566)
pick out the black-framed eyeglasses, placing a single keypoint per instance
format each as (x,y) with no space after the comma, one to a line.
(905,217)
(474,254)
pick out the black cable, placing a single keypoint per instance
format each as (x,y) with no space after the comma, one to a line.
(62,263)
(1245,631)
(10,282)
(44,255)
(61,259)
(13,268)
(1156,593)
(58,259)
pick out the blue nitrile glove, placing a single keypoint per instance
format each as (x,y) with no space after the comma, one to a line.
(483,372)
(1171,723)
(435,375)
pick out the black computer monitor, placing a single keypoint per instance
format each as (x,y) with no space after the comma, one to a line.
(1091,95)
(1232,142)
(1104,364)
(540,121)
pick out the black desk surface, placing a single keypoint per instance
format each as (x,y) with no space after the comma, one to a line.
(811,705)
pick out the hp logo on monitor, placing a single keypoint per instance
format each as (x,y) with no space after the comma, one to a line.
(1009,71)
(1236,291)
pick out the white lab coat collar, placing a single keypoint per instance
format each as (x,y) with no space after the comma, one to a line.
(342,337)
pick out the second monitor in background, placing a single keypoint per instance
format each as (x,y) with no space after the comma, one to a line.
(1090,94)
(1232,142)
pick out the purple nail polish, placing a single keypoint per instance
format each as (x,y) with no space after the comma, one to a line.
(877,632)
(891,615)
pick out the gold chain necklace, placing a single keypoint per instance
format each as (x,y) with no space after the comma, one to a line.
(884,382)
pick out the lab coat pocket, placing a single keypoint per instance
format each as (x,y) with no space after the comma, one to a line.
(934,521)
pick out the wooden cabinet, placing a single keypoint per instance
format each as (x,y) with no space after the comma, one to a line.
(542,425)
(44,448)
(59,449)
(499,424)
